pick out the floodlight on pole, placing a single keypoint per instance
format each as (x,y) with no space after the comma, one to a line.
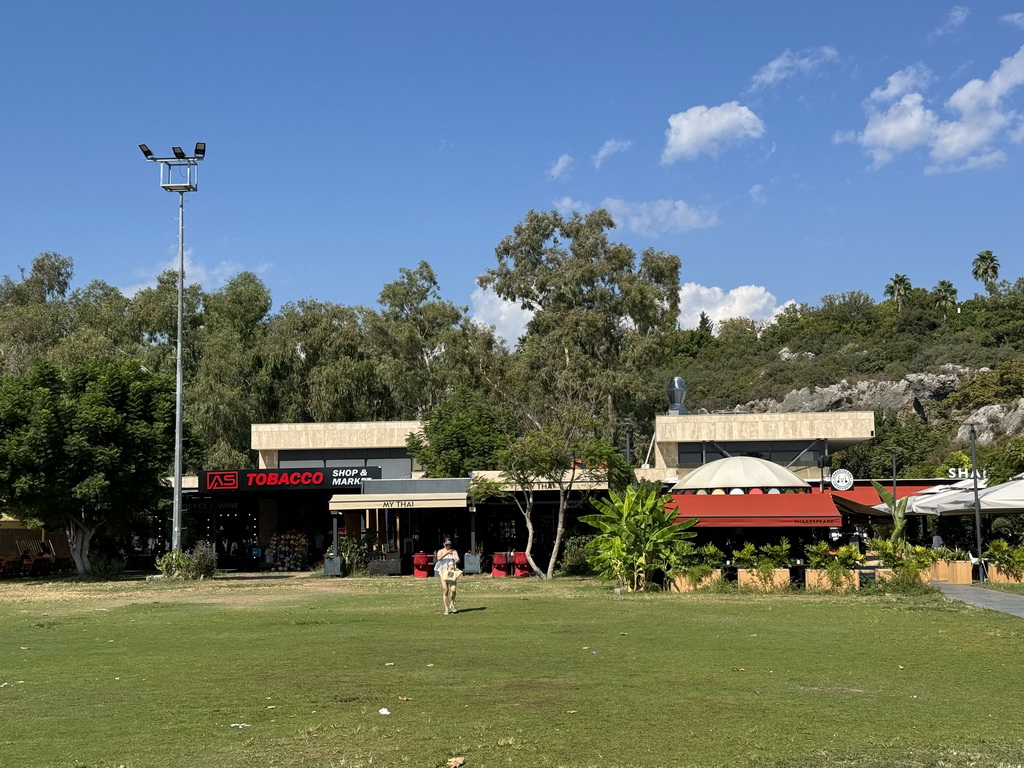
(977,498)
(178,174)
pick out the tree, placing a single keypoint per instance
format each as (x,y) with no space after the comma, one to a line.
(561,454)
(600,315)
(85,450)
(985,269)
(897,289)
(462,434)
(945,297)
(223,395)
(637,536)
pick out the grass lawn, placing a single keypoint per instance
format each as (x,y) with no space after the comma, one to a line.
(294,671)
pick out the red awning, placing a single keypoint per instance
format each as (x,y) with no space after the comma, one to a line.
(784,510)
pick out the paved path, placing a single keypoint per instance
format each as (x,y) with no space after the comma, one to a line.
(983,598)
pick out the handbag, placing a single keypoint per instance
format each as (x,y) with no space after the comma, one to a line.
(450,573)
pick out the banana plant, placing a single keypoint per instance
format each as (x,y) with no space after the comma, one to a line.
(637,535)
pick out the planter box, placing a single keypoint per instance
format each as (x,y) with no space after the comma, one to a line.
(471,563)
(683,584)
(748,579)
(959,572)
(998,576)
(387,567)
(884,574)
(332,566)
(817,579)
(953,571)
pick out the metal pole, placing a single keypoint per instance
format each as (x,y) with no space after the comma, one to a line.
(893,451)
(977,501)
(178,388)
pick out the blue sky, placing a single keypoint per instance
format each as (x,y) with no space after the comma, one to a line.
(783,151)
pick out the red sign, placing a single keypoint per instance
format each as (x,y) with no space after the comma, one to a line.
(221,481)
(286,479)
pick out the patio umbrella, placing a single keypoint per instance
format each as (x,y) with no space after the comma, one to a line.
(930,500)
(739,472)
(1005,497)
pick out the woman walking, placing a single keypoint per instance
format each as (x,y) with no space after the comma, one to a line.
(446,559)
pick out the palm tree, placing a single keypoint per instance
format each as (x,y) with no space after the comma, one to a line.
(986,270)
(898,288)
(945,296)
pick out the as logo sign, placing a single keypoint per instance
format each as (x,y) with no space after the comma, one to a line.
(222,481)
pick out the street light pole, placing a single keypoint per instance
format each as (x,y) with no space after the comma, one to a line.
(178,174)
(977,499)
(893,450)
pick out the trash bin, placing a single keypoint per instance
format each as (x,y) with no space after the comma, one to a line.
(500,564)
(422,565)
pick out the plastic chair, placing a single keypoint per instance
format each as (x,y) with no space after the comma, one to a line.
(500,565)
(520,565)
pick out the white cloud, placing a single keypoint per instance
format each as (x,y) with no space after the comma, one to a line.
(916,77)
(757,194)
(655,217)
(967,142)
(1016,19)
(707,130)
(956,17)
(561,166)
(509,319)
(751,301)
(211,278)
(905,125)
(566,205)
(609,148)
(789,64)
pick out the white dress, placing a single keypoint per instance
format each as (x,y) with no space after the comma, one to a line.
(444,562)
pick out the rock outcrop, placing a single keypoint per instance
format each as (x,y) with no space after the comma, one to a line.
(912,393)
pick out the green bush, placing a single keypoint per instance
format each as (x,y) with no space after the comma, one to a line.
(198,563)
(1009,560)
(106,567)
(574,560)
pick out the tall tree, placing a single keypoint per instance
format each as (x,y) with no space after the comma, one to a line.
(223,394)
(898,289)
(985,269)
(87,449)
(33,312)
(559,448)
(945,297)
(600,314)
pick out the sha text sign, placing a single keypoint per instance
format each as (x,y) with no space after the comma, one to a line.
(291,479)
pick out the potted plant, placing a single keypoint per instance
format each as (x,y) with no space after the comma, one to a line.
(889,552)
(959,569)
(1007,563)
(766,568)
(818,557)
(694,567)
(836,571)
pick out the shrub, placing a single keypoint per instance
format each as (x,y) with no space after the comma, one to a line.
(817,555)
(1007,559)
(198,563)
(106,567)
(574,557)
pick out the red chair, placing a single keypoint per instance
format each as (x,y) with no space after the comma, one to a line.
(422,565)
(500,565)
(520,565)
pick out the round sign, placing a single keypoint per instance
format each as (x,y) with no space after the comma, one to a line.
(842,479)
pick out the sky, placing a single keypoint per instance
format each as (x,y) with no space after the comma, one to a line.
(784,151)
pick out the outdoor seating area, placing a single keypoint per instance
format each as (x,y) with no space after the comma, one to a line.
(43,565)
